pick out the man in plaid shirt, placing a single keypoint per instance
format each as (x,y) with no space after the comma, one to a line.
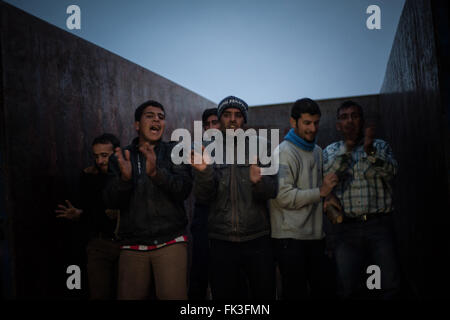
(365,167)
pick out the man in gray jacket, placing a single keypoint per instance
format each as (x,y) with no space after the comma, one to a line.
(238,221)
(296,213)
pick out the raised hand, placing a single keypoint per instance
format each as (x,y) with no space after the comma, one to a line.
(124,164)
(255,173)
(203,158)
(69,212)
(329,181)
(150,158)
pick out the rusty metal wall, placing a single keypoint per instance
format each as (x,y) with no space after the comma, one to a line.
(415,123)
(59,92)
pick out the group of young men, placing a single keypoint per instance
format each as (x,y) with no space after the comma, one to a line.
(245,223)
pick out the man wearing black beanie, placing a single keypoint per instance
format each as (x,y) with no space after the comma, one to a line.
(238,222)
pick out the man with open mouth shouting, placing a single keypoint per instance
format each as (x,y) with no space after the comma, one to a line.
(150,191)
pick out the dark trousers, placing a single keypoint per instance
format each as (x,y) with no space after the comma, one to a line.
(306,271)
(359,242)
(102,265)
(229,260)
(198,277)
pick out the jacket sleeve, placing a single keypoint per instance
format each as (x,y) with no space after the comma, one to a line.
(117,192)
(177,181)
(205,185)
(266,188)
(289,195)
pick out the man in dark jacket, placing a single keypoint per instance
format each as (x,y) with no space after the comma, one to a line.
(238,222)
(102,249)
(150,191)
(198,277)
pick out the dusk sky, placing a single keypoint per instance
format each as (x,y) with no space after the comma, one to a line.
(263,51)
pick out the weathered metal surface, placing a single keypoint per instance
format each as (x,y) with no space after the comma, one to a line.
(414,122)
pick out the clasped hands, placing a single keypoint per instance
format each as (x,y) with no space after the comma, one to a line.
(124,161)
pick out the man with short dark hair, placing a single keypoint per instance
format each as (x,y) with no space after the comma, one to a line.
(210,120)
(296,213)
(198,283)
(102,249)
(365,167)
(149,189)
(238,222)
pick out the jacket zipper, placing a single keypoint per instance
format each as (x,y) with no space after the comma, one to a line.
(237,213)
(233,200)
(139,164)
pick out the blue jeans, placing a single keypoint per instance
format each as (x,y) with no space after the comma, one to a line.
(355,243)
